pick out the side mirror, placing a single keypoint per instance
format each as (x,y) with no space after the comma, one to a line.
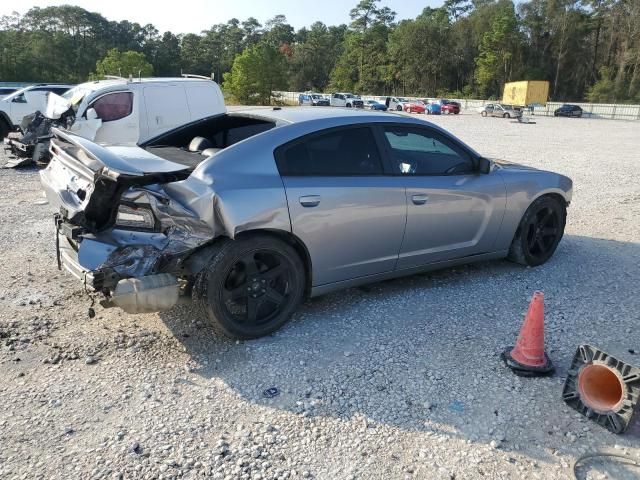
(484,165)
(92,114)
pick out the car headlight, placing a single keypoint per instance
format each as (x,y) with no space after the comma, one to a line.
(135,217)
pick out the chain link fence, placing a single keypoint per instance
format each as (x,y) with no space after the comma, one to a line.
(589,110)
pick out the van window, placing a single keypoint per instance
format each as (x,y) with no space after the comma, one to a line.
(113,106)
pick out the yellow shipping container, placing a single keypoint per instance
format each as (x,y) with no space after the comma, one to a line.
(526,92)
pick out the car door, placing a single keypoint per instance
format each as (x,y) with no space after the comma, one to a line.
(343,206)
(27,103)
(497,111)
(452,210)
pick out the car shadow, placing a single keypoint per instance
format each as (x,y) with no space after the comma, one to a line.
(421,353)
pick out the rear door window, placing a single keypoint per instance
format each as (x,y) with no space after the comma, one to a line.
(340,152)
(113,106)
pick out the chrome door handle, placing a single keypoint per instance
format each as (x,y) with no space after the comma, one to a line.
(420,199)
(310,200)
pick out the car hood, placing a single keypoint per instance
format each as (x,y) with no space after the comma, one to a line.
(504,164)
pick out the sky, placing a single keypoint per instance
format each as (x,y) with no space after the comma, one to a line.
(193,16)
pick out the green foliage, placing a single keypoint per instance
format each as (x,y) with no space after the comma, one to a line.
(255,74)
(124,64)
(497,50)
(584,48)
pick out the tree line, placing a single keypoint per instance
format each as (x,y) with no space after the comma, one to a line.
(586,49)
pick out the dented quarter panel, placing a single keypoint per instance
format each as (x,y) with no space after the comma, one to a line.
(236,190)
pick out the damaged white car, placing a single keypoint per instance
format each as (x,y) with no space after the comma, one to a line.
(248,212)
(116,111)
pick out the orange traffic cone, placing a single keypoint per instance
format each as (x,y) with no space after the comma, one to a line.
(528,358)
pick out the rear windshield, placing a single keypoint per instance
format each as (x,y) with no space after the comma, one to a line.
(193,143)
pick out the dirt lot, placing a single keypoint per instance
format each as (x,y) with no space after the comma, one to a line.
(398,380)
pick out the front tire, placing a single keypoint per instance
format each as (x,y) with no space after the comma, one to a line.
(539,232)
(251,287)
(506,115)
(484,114)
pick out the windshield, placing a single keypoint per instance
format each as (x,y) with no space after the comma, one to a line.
(348,95)
(75,95)
(316,96)
(506,107)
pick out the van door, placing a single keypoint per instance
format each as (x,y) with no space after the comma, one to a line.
(204,99)
(167,108)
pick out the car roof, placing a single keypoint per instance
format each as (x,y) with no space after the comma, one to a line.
(292,115)
(99,84)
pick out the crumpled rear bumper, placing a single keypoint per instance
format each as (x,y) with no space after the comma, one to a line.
(144,294)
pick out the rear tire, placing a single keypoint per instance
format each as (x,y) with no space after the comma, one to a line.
(4,129)
(539,232)
(251,287)
(399,108)
(506,115)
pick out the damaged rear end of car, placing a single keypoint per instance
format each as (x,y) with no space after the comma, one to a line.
(117,228)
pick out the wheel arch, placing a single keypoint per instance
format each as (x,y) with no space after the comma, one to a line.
(295,242)
(6,120)
(199,259)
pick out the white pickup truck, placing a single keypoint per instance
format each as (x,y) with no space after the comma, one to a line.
(119,112)
(25,101)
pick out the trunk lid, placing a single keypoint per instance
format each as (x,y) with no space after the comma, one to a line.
(84,181)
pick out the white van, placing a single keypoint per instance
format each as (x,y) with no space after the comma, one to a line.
(132,111)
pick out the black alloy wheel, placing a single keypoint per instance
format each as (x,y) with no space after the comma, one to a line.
(542,232)
(539,232)
(256,288)
(251,287)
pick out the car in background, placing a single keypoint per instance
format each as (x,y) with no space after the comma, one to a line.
(499,110)
(313,99)
(568,110)
(118,111)
(348,100)
(245,233)
(26,101)
(448,106)
(414,107)
(4,91)
(434,108)
(375,105)
(395,103)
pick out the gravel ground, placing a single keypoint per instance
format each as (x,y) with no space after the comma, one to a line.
(397,380)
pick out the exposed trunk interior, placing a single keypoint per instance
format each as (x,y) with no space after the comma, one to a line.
(192,144)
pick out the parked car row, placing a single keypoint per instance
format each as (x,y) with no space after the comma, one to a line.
(399,104)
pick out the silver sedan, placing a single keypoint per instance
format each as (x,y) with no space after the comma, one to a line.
(248,213)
